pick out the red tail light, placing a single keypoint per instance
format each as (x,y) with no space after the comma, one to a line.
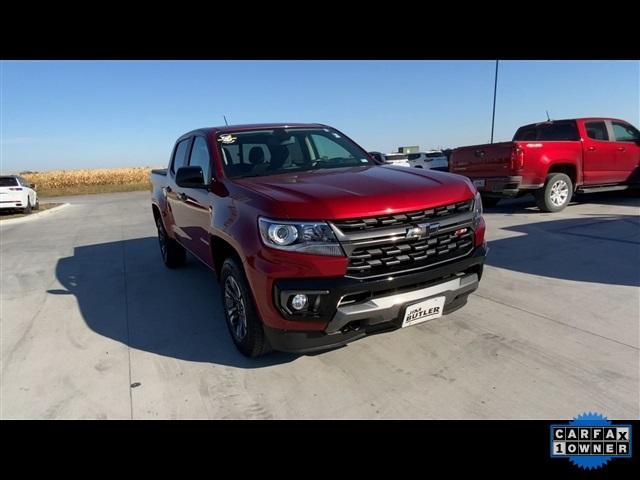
(517,159)
(16,188)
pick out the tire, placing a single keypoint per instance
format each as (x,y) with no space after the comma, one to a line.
(37,205)
(245,326)
(556,193)
(27,210)
(490,202)
(173,254)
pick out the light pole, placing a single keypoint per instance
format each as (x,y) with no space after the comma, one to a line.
(495,89)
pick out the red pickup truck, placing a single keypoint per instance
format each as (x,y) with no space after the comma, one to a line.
(316,244)
(553,160)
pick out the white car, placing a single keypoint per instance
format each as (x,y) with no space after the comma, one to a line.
(16,192)
(433,160)
(397,159)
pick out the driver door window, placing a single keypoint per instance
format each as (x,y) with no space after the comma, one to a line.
(625,133)
(200,158)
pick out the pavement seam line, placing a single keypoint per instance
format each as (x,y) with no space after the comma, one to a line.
(126,318)
(555,321)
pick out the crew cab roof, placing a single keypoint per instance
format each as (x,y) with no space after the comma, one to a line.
(583,119)
(251,126)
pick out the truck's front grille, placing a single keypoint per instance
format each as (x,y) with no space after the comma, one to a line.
(401,219)
(410,254)
(408,241)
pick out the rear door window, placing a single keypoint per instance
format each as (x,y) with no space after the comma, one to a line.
(597,130)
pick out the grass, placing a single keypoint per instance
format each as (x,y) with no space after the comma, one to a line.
(80,182)
(6,214)
(90,189)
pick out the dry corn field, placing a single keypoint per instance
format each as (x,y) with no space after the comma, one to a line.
(100,180)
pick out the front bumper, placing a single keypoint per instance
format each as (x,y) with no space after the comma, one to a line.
(374,306)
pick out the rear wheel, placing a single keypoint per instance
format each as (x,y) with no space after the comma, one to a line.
(27,210)
(173,254)
(243,321)
(556,193)
(37,205)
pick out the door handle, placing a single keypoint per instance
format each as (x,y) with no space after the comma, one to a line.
(182,197)
(620,149)
(591,149)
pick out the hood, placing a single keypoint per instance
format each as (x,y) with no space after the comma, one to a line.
(356,192)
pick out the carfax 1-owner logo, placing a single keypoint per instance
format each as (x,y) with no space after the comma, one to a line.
(590,441)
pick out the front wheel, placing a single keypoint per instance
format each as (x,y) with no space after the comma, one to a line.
(243,321)
(173,254)
(556,193)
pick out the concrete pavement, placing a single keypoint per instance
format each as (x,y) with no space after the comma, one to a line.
(88,310)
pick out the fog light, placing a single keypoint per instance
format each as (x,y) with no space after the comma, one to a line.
(299,301)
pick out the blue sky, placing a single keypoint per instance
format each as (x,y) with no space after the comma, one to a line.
(87,114)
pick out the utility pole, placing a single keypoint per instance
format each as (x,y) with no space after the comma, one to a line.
(495,89)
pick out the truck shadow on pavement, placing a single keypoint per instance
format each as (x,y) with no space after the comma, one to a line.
(594,248)
(124,292)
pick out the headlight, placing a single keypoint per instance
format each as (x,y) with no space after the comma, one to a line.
(302,237)
(477,209)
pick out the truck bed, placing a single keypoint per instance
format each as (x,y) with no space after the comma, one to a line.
(482,160)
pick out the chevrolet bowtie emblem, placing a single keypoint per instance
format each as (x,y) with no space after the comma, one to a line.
(422,230)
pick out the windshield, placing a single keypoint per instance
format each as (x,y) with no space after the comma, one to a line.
(270,152)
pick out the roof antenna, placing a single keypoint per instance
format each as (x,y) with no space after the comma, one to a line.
(227,123)
(548,119)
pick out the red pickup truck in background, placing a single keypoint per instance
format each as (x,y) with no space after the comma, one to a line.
(316,244)
(553,160)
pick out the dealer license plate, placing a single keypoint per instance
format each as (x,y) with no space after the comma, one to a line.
(423,311)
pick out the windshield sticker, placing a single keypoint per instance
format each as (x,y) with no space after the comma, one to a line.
(227,138)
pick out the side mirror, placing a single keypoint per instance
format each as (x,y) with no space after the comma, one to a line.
(376,157)
(33,186)
(190,177)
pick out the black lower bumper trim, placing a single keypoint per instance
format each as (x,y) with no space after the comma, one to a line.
(338,288)
(307,342)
